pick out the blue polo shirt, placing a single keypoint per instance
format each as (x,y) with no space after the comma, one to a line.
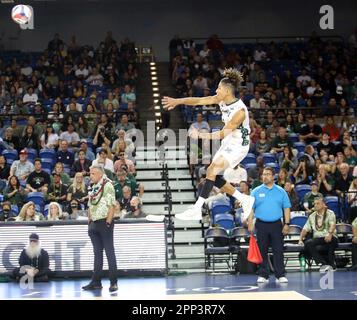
(269,204)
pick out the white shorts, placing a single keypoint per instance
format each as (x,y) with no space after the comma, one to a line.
(232,150)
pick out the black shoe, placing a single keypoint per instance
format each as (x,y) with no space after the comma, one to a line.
(92,286)
(113,287)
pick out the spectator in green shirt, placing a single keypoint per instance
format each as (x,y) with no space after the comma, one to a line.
(122,181)
(326,182)
(59,169)
(350,158)
(310,197)
(322,224)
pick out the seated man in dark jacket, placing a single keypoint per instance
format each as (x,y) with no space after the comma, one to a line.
(34,262)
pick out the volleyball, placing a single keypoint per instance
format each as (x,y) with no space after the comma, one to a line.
(21,14)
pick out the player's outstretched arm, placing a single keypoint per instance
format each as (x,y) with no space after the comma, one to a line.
(170,103)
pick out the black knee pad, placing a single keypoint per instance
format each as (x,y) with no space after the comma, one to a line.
(219,182)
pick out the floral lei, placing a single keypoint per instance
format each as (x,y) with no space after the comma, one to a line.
(97,192)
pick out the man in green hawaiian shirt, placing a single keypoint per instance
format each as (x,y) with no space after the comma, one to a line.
(101,206)
(322,224)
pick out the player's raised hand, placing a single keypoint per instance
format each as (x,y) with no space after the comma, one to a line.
(168,103)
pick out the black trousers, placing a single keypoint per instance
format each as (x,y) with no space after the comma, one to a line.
(102,239)
(354,254)
(271,234)
(314,246)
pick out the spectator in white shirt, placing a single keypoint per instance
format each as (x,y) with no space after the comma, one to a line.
(104,161)
(70,136)
(200,125)
(304,78)
(255,102)
(49,140)
(259,54)
(26,69)
(205,52)
(82,72)
(95,79)
(310,90)
(200,82)
(30,97)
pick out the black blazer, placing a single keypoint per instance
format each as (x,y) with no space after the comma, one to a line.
(78,168)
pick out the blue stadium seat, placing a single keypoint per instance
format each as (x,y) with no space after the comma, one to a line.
(302,189)
(36,197)
(250,166)
(298,221)
(219,207)
(15,209)
(47,164)
(47,153)
(10,161)
(268,157)
(300,146)
(250,158)
(31,154)
(10,154)
(300,154)
(45,210)
(334,205)
(225,221)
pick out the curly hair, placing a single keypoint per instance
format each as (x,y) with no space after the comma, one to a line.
(232,77)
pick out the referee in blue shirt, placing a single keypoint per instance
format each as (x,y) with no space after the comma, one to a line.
(271,206)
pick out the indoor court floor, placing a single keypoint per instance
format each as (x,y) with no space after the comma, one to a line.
(342,285)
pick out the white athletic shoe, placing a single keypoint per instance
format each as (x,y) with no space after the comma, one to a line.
(247,204)
(282,280)
(155,217)
(325,268)
(262,280)
(191,213)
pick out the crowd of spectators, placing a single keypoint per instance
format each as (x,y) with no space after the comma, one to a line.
(62,110)
(302,101)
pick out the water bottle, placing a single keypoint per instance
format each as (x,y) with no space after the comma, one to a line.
(302,264)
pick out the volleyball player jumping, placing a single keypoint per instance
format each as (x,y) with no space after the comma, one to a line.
(235,141)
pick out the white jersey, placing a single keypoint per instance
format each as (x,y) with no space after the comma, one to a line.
(228,111)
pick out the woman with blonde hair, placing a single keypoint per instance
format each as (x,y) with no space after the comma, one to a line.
(78,190)
(54,212)
(28,213)
(120,147)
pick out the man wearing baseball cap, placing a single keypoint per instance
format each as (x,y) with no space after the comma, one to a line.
(83,145)
(22,168)
(34,262)
(310,197)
